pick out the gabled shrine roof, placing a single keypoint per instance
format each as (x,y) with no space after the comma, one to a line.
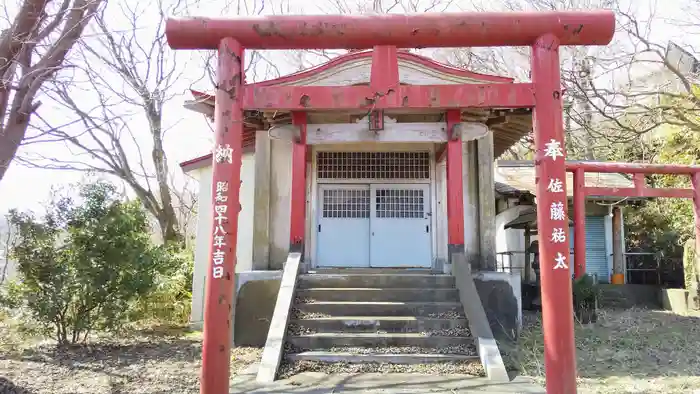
(509,125)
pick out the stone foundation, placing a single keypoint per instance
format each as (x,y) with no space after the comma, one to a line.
(501,297)
(256,294)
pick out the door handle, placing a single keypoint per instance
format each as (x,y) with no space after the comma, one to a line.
(427,228)
(319,228)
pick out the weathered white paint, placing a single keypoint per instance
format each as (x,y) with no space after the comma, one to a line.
(470,131)
(441,213)
(420,132)
(358,72)
(470,182)
(244,244)
(359,132)
(487,200)
(505,238)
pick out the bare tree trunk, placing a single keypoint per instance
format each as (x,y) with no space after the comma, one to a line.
(126,75)
(8,241)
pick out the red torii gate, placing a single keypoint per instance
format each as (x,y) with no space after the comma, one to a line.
(640,189)
(544,32)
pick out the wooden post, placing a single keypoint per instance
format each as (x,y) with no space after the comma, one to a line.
(455,190)
(487,202)
(552,220)
(261,205)
(297,222)
(226,183)
(618,253)
(695,178)
(470,185)
(528,264)
(579,223)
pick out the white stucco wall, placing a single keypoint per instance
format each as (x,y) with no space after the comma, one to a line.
(509,240)
(244,244)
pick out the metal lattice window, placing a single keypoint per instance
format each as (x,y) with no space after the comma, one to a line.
(373,165)
(399,203)
(346,203)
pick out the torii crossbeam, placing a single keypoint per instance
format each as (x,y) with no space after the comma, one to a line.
(544,32)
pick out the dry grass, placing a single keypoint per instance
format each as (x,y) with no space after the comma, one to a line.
(626,351)
(153,360)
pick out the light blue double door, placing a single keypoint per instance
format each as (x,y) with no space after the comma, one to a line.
(379,226)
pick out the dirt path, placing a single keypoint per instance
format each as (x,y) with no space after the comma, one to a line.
(141,364)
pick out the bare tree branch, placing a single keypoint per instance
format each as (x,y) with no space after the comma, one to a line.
(32,51)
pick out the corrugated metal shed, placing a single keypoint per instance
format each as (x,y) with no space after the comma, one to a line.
(596,254)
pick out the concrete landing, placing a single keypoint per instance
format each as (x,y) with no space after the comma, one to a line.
(375,383)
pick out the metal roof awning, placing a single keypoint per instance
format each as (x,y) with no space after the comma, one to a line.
(527,219)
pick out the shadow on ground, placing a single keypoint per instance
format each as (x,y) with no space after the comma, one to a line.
(103,357)
(7,387)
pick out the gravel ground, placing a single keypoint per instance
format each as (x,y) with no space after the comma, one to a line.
(135,365)
(455,349)
(298,314)
(296,329)
(447,315)
(295,367)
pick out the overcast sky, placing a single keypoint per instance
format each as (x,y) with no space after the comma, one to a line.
(189,136)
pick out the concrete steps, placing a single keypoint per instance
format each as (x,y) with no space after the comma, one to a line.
(325,340)
(384,318)
(355,280)
(379,308)
(380,294)
(355,358)
(378,324)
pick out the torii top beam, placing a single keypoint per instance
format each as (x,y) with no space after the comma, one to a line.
(429,30)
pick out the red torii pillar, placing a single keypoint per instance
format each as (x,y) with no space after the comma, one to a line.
(544,32)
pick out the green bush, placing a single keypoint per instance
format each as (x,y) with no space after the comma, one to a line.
(171,300)
(585,292)
(82,265)
(689,264)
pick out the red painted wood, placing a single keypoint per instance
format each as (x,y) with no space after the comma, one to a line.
(220,289)
(695,180)
(304,98)
(454,29)
(557,302)
(298,195)
(384,74)
(579,223)
(547,30)
(633,168)
(455,190)
(647,192)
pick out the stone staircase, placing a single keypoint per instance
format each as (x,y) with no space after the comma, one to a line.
(378,321)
